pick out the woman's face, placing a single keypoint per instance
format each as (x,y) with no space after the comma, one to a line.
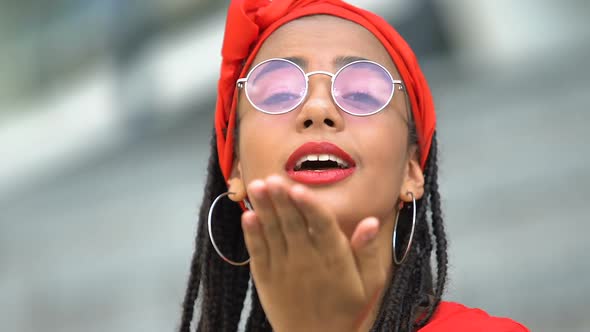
(384,163)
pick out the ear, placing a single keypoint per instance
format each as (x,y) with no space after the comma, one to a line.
(413,178)
(235,184)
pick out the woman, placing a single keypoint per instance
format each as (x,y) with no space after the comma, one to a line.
(325,145)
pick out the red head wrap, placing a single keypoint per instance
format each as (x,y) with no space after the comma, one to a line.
(250,22)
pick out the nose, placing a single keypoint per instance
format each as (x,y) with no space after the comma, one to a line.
(318,110)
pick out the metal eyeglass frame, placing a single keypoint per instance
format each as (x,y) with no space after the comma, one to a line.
(241,84)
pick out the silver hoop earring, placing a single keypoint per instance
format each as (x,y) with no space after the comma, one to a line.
(234,263)
(396,260)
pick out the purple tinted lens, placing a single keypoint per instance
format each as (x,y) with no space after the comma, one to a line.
(363,88)
(276,86)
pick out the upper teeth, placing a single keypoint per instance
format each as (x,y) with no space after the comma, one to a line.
(321,157)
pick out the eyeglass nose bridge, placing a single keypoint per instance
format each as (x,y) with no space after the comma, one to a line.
(320,72)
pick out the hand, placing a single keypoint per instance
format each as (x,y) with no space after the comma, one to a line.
(309,276)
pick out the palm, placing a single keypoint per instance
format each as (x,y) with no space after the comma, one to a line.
(308,275)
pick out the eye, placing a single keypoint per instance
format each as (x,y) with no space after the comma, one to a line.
(361,99)
(279,98)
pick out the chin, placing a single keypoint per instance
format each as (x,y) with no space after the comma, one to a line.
(345,209)
(350,210)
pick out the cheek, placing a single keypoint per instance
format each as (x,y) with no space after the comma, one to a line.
(260,144)
(383,142)
(382,145)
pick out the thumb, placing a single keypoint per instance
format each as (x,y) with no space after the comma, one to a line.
(366,252)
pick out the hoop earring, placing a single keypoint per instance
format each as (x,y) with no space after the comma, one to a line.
(234,263)
(395,259)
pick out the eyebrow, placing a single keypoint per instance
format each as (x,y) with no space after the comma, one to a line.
(269,68)
(342,61)
(338,62)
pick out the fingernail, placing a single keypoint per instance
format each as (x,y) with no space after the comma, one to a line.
(250,223)
(274,179)
(296,191)
(273,184)
(369,236)
(371,233)
(256,188)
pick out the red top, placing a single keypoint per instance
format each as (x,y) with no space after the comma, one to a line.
(455,317)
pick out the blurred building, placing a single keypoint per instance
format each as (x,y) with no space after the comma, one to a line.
(106,113)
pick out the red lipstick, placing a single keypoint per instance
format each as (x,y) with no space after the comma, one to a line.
(318,152)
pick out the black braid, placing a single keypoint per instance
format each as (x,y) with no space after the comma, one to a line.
(224,286)
(411,288)
(438,232)
(257,321)
(192,290)
(200,252)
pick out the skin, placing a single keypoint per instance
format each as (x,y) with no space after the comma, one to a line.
(321,255)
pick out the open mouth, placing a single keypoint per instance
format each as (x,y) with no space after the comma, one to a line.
(319,163)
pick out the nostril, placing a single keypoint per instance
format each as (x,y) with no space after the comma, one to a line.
(307,123)
(329,122)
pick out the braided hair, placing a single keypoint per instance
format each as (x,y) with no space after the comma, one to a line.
(409,300)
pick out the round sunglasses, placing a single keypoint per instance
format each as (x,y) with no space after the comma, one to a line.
(277,86)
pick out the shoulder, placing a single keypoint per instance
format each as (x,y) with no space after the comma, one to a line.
(451,316)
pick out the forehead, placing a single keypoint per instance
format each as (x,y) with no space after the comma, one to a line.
(319,39)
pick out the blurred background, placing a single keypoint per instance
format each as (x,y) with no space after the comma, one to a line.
(105,117)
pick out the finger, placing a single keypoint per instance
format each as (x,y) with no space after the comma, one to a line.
(268,218)
(256,244)
(292,222)
(326,233)
(366,252)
